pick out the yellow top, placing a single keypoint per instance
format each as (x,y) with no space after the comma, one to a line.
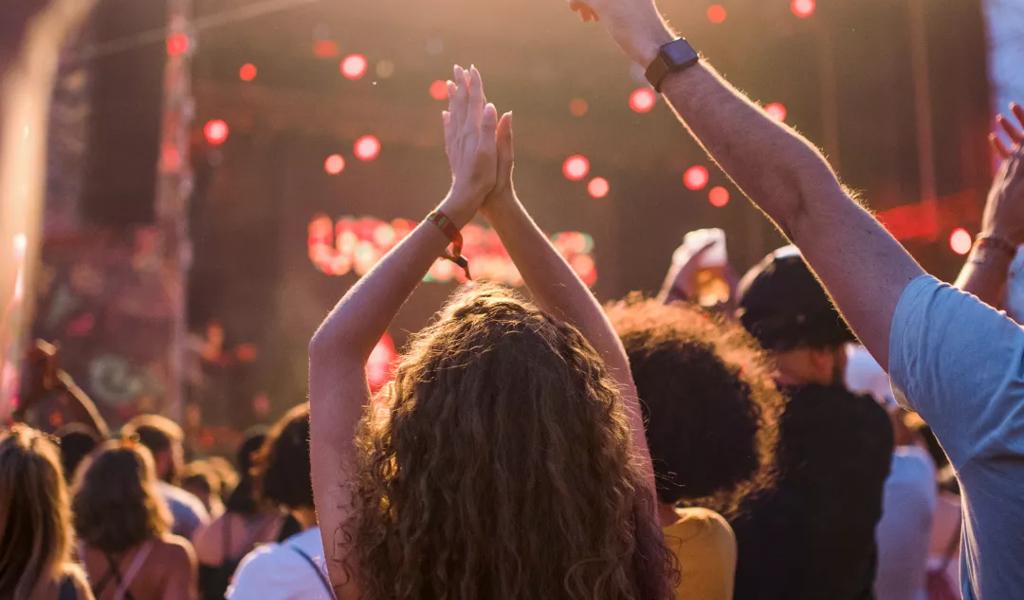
(705,546)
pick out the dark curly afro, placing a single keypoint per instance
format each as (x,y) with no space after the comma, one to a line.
(710,405)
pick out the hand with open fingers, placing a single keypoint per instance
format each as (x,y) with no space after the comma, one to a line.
(470,124)
(1014,132)
(1004,211)
(635,25)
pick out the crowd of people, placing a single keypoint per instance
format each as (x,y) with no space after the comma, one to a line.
(842,427)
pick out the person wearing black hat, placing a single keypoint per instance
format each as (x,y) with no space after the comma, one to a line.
(814,535)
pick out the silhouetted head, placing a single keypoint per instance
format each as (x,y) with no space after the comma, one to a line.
(243,499)
(784,306)
(282,467)
(77,440)
(164,439)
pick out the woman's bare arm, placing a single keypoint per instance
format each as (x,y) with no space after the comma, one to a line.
(338,352)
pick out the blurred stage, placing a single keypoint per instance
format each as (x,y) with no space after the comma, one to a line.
(286,92)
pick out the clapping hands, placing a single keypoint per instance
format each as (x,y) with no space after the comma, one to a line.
(477,143)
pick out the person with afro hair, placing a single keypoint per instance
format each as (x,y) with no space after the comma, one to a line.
(710,413)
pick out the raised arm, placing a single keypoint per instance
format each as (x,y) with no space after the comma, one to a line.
(862,266)
(341,346)
(555,286)
(988,265)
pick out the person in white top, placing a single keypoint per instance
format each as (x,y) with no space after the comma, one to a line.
(904,533)
(909,497)
(293,569)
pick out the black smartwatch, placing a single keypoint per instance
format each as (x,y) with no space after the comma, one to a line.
(674,56)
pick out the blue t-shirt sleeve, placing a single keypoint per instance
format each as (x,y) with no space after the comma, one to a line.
(958,362)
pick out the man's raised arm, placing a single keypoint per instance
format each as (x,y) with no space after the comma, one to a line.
(863,267)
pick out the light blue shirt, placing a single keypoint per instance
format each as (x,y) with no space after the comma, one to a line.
(960,364)
(187,510)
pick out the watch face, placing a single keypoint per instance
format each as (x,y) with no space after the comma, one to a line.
(680,52)
(674,56)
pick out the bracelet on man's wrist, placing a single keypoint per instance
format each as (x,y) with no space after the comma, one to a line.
(987,246)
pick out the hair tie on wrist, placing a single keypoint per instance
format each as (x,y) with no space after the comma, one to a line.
(452,232)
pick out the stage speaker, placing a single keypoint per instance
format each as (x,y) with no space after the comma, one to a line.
(126,78)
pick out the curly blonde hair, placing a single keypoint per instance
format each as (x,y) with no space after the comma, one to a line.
(502,467)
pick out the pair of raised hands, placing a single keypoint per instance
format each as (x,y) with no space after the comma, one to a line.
(478,144)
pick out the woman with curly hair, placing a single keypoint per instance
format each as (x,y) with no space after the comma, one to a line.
(507,459)
(124,525)
(35,521)
(711,411)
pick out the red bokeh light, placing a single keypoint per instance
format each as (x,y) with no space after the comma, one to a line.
(216,132)
(177,44)
(718,196)
(367,148)
(439,90)
(334,164)
(777,111)
(696,177)
(717,14)
(960,241)
(247,72)
(578,107)
(170,158)
(354,66)
(576,167)
(642,100)
(803,8)
(598,187)
(380,365)
(326,49)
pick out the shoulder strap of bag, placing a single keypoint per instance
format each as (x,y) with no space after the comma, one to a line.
(312,563)
(67,589)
